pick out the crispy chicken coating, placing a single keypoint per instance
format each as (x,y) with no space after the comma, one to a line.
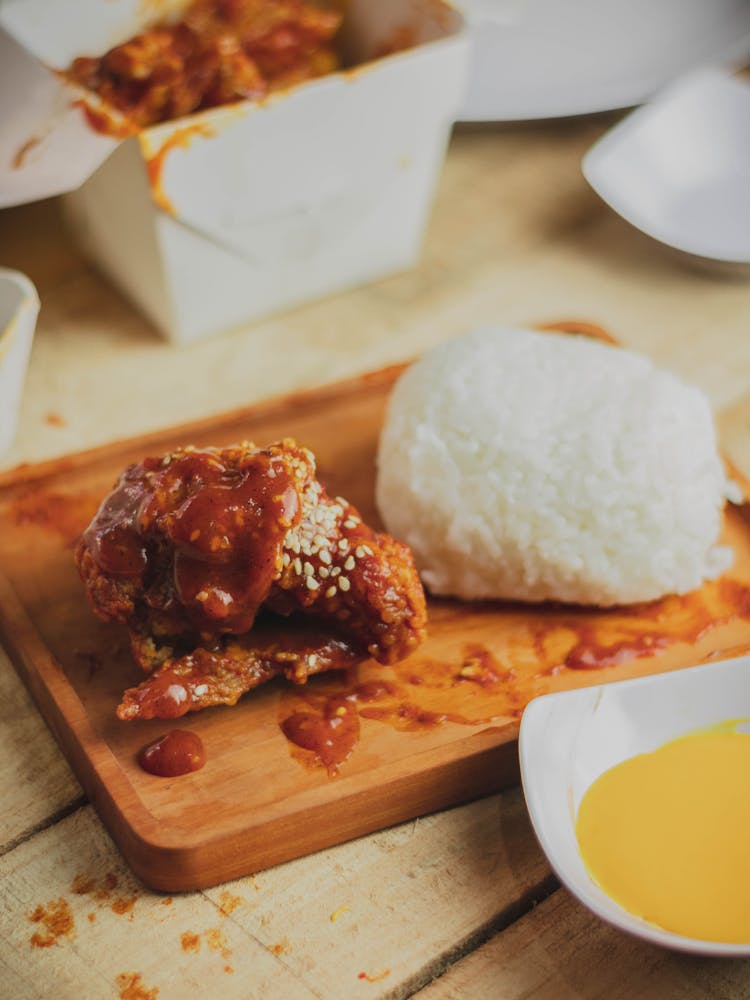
(187,550)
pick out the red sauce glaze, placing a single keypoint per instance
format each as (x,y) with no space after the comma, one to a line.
(330,733)
(179,752)
(226,530)
(167,697)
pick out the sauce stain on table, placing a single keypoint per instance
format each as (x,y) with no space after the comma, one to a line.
(131,987)
(56,918)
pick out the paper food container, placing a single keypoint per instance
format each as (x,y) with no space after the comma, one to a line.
(19,306)
(230,214)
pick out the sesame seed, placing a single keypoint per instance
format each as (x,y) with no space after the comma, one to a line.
(344,583)
(359,552)
(335,571)
(286,559)
(311,583)
(344,544)
(325,557)
(331,592)
(349,564)
(323,572)
(297,564)
(307,569)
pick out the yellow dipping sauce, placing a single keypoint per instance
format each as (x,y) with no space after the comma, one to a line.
(667,834)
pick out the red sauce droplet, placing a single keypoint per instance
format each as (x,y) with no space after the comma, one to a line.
(179,752)
(330,734)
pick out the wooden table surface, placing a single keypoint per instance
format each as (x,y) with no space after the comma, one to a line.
(461,904)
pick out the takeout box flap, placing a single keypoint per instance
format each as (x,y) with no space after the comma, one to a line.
(310,188)
(47,146)
(47,143)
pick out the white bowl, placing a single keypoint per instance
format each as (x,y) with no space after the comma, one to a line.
(567,740)
(19,306)
(679,168)
(548,58)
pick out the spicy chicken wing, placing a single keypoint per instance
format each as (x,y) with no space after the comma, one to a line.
(189,549)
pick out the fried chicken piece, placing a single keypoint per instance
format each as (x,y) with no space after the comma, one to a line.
(203,677)
(187,549)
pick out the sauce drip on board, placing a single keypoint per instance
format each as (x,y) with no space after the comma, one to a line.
(596,640)
(490,682)
(324,722)
(179,752)
(665,834)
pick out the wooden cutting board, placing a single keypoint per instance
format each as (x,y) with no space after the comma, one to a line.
(445,734)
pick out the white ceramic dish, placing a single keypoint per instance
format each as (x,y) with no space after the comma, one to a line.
(567,740)
(19,306)
(679,168)
(550,58)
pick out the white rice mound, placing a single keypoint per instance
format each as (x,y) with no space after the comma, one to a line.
(540,466)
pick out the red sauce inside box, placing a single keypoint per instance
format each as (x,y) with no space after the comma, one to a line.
(218,52)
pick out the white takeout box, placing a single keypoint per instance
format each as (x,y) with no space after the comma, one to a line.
(19,306)
(227,215)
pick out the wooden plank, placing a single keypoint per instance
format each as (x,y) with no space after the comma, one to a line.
(560,951)
(392,907)
(77,667)
(98,931)
(37,781)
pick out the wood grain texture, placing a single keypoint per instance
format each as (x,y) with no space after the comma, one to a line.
(304,929)
(559,951)
(254,805)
